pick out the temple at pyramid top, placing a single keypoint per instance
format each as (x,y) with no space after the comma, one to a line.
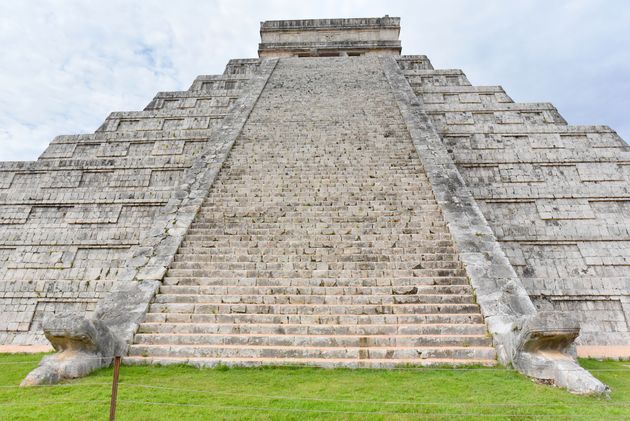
(330,37)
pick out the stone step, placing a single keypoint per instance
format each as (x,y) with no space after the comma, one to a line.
(339,241)
(317,281)
(341,234)
(324,291)
(340,237)
(331,198)
(312,341)
(332,256)
(315,362)
(254,213)
(348,230)
(332,183)
(319,319)
(323,229)
(376,185)
(255,351)
(264,273)
(164,298)
(428,253)
(359,205)
(262,220)
(406,175)
(210,219)
(255,264)
(316,329)
(312,309)
(327,203)
(306,261)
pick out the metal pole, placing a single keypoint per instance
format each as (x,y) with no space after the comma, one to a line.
(112,404)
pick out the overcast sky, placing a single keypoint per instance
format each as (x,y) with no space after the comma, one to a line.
(64,65)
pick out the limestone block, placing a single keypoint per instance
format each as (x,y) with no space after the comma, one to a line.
(6,178)
(62,179)
(160,178)
(112,124)
(486,141)
(59,150)
(459,118)
(168,147)
(148,124)
(173,123)
(469,98)
(548,140)
(130,178)
(196,123)
(10,214)
(564,209)
(93,214)
(605,253)
(521,173)
(599,172)
(111,149)
(605,140)
(507,117)
(481,176)
(44,257)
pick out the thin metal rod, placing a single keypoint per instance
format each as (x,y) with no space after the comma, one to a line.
(112,404)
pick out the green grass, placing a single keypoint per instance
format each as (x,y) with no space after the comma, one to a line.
(185,393)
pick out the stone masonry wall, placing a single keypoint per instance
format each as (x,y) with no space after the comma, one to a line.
(70,220)
(557,196)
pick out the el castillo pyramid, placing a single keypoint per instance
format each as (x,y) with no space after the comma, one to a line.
(330,203)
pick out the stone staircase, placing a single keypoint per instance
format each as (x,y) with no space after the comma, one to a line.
(319,243)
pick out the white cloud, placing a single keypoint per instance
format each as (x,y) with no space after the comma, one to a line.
(64,65)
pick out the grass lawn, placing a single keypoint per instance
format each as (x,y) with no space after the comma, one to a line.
(185,393)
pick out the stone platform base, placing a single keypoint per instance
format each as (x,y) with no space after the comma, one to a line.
(621,352)
(24,349)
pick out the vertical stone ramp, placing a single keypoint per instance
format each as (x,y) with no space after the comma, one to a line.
(320,242)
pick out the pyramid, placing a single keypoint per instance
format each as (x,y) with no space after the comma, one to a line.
(331,203)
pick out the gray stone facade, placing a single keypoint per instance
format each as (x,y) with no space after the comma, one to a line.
(72,221)
(330,37)
(556,196)
(364,211)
